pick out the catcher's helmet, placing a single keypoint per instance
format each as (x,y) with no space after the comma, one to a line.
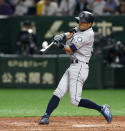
(86,17)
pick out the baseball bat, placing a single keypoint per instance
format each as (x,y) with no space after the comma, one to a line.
(43,50)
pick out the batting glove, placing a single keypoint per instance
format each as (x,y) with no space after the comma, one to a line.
(73,30)
(59,44)
(59,38)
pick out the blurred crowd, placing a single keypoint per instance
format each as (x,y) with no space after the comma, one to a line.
(111,50)
(61,7)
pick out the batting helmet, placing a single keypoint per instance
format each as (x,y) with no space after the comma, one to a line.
(86,17)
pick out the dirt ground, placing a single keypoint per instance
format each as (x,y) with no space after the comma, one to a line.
(62,124)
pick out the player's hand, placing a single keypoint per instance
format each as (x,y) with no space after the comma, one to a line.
(73,30)
(59,38)
(56,42)
(60,45)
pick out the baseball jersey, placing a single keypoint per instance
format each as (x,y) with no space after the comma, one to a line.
(83,41)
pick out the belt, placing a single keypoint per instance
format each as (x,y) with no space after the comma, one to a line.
(76,61)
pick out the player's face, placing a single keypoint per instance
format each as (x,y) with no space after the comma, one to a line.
(84,26)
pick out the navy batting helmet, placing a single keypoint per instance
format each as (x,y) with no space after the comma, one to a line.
(86,17)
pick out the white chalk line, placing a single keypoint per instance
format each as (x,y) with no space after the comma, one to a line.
(85,125)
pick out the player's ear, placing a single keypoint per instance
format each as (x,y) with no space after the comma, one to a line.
(90,24)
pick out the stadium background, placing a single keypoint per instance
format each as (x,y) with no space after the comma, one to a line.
(18,70)
(27,82)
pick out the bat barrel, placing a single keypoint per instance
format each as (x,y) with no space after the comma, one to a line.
(44,50)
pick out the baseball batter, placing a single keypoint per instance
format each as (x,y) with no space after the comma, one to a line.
(79,47)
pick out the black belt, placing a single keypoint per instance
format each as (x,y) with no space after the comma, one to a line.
(76,61)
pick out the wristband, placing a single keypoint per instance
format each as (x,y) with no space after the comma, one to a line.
(61,46)
(64,36)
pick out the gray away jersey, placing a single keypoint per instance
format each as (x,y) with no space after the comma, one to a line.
(83,41)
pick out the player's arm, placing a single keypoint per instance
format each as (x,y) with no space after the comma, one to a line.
(70,48)
(66,35)
(70,33)
(67,48)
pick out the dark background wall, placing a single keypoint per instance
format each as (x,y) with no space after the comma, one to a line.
(47,27)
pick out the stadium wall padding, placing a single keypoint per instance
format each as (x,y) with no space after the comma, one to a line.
(43,71)
(46,71)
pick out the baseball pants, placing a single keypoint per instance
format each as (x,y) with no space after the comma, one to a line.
(72,82)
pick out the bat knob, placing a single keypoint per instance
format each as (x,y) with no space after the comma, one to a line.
(42,51)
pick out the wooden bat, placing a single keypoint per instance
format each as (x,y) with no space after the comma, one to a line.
(43,50)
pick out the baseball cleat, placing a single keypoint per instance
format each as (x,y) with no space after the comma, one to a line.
(44,120)
(105,111)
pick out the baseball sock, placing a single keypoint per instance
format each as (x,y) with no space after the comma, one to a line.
(53,103)
(89,104)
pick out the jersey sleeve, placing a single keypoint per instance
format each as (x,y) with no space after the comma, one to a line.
(80,41)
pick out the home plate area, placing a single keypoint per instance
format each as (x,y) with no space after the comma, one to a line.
(62,124)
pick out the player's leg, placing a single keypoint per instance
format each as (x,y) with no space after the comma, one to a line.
(60,91)
(77,78)
(78,75)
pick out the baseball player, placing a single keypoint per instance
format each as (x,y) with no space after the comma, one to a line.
(79,46)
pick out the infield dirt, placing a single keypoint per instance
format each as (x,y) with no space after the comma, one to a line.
(62,124)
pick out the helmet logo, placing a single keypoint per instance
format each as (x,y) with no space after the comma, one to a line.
(81,15)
